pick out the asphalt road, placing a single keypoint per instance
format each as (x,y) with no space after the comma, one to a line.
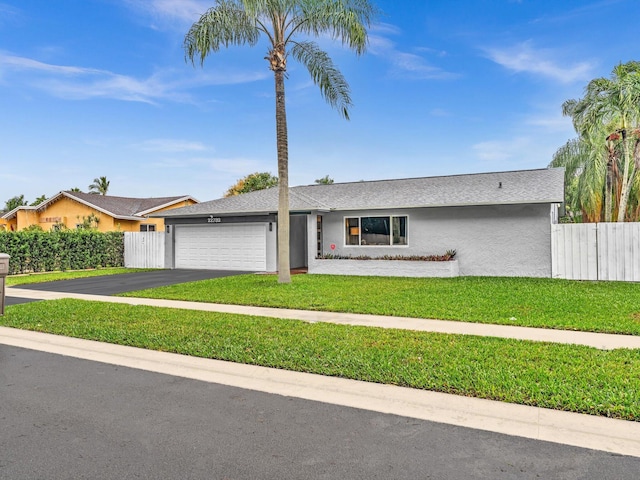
(63,418)
(126,282)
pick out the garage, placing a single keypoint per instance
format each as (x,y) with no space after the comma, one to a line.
(222,246)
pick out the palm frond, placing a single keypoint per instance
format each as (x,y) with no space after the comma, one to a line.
(344,20)
(228,23)
(325,75)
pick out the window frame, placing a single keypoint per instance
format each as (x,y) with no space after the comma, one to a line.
(152,225)
(359,218)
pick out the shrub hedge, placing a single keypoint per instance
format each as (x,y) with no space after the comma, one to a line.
(38,251)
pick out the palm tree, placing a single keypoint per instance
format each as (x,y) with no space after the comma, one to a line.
(611,108)
(585,165)
(38,200)
(100,186)
(287,25)
(14,202)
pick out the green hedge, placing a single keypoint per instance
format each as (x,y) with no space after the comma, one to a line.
(37,251)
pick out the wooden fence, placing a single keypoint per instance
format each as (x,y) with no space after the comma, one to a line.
(144,249)
(596,251)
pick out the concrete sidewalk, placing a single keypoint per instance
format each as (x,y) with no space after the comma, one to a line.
(586,431)
(616,436)
(601,341)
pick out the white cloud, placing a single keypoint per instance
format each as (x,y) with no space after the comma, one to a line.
(523,57)
(223,168)
(8,13)
(170,145)
(22,63)
(553,122)
(168,12)
(404,64)
(502,150)
(79,83)
(440,112)
(237,166)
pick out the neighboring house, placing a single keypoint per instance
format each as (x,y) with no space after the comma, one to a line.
(499,224)
(104,212)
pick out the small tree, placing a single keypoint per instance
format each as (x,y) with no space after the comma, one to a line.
(251,183)
(326,180)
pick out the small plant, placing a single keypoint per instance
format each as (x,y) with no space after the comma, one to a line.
(448,255)
(89,222)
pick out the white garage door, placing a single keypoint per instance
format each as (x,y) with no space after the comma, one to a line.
(238,246)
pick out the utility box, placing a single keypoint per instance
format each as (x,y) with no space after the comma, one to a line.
(4,271)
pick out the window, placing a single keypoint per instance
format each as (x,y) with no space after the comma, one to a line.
(376,231)
(319,234)
(147,227)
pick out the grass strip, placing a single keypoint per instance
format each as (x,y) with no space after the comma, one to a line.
(608,307)
(562,377)
(15,280)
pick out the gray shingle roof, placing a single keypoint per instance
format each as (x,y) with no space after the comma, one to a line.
(117,207)
(499,188)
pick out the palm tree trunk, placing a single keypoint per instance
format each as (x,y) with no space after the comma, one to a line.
(608,186)
(627,178)
(282,143)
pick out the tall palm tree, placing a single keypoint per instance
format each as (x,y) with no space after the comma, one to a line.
(99,186)
(287,26)
(612,106)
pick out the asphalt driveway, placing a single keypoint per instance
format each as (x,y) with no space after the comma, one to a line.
(127,282)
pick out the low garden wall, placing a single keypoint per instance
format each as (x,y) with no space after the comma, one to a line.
(385,268)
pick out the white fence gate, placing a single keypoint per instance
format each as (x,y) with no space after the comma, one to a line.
(596,251)
(144,249)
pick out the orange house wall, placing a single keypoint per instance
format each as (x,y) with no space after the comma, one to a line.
(71,213)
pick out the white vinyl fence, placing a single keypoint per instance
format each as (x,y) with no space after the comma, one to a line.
(144,249)
(596,251)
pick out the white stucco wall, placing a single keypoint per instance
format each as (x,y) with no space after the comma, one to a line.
(495,240)
(272,247)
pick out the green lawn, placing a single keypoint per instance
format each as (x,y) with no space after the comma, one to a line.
(563,377)
(16,280)
(612,307)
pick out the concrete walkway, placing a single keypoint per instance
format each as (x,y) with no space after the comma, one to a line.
(579,430)
(601,341)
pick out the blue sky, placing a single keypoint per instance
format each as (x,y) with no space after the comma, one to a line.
(94,88)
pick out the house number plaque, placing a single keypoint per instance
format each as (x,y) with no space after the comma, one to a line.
(213,219)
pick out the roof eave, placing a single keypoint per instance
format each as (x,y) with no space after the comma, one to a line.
(206,214)
(11,213)
(443,205)
(168,204)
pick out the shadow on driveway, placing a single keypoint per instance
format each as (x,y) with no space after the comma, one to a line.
(126,282)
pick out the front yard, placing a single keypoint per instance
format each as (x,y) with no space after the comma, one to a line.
(562,377)
(611,307)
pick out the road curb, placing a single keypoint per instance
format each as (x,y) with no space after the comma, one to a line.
(585,431)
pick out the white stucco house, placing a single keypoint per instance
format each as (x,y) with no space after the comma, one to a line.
(498,223)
